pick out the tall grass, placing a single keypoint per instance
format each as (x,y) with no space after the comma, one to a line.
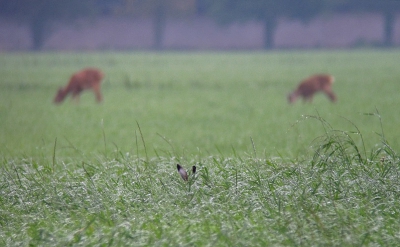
(342,195)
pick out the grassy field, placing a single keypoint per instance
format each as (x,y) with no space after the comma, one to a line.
(269,173)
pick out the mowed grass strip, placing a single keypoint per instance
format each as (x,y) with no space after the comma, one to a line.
(201,103)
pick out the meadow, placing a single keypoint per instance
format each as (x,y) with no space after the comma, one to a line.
(268,173)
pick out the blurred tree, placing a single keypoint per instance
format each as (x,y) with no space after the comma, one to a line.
(40,13)
(388,8)
(158,10)
(266,11)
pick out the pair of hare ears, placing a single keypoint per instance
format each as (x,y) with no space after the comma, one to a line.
(183,172)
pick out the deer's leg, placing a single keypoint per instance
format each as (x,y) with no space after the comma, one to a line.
(97,92)
(75,95)
(308,98)
(331,95)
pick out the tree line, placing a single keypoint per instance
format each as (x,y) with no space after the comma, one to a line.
(39,14)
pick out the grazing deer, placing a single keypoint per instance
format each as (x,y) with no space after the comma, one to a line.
(88,78)
(313,84)
(183,172)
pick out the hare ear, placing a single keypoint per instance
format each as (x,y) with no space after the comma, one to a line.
(193,169)
(182,172)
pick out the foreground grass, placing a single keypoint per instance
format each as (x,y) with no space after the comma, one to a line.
(342,196)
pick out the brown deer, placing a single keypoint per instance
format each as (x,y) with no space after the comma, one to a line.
(89,78)
(313,84)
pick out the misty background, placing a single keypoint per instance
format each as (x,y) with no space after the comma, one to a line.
(197,24)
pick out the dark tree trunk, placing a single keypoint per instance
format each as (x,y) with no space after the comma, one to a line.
(159,26)
(38,32)
(388,29)
(269,32)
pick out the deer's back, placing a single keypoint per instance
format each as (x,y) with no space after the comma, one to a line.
(315,83)
(86,78)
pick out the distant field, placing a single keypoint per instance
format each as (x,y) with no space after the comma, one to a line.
(201,103)
(268,173)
